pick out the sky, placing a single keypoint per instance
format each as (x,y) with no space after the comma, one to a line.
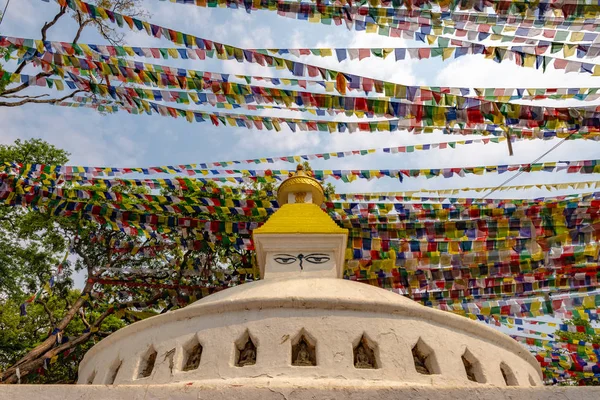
(124,140)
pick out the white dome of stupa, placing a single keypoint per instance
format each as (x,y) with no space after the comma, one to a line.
(303,325)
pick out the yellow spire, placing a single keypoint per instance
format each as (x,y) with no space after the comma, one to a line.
(300,197)
(300,187)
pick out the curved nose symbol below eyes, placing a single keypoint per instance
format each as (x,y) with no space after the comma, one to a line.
(312,258)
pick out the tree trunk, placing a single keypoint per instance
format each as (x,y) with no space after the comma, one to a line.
(42,348)
(35,358)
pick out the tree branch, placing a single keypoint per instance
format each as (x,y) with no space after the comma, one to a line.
(50,340)
(50,316)
(50,24)
(44,31)
(24,85)
(82,315)
(82,25)
(37,101)
(25,97)
(31,364)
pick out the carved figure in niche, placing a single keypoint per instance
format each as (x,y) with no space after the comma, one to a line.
(362,358)
(303,353)
(303,358)
(248,354)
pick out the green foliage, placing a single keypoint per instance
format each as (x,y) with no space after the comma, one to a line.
(166,276)
(20,334)
(33,151)
(328,188)
(587,336)
(29,246)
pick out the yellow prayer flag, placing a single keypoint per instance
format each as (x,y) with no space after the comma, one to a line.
(569,49)
(529,60)
(448,52)
(577,36)
(173,52)
(589,302)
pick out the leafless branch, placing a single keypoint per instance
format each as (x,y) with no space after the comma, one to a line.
(25,97)
(37,101)
(44,31)
(25,85)
(83,319)
(50,316)
(50,24)
(82,25)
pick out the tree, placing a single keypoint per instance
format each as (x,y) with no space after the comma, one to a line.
(32,243)
(21,333)
(25,256)
(131,272)
(14,95)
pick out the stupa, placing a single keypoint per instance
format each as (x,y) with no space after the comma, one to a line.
(302,324)
(302,332)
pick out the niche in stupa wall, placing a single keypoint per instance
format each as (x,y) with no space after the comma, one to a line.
(508,375)
(532,381)
(365,353)
(473,368)
(113,372)
(191,355)
(147,363)
(303,350)
(245,350)
(424,358)
(91,378)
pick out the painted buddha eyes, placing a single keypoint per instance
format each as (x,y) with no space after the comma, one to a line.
(285,259)
(317,258)
(313,258)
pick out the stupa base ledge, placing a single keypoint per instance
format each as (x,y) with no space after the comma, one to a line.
(231,391)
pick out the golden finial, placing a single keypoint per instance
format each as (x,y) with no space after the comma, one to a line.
(300,184)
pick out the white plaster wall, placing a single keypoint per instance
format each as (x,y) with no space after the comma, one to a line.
(273,330)
(259,389)
(334,312)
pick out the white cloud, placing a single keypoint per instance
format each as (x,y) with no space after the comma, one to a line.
(276,144)
(476,71)
(123,139)
(91,140)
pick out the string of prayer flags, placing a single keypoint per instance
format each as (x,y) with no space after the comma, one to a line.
(390,196)
(114,55)
(188,169)
(368,16)
(426,116)
(223,51)
(570,167)
(480,129)
(532,56)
